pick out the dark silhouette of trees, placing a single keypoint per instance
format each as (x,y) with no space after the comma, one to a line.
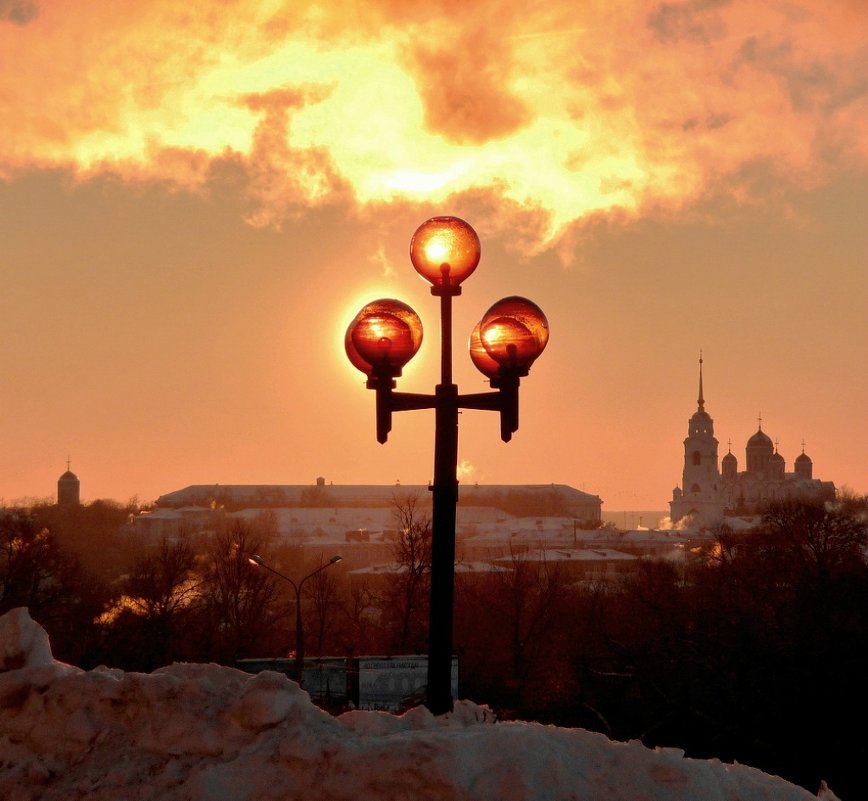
(163,582)
(94,533)
(323,591)
(821,541)
(237,600)
(752,648)
(406,596)
(37,573)
(31,562)
(508,630)
(753,653)
(359,630)
(151,622)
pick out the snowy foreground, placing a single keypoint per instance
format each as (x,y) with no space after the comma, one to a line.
(204,732)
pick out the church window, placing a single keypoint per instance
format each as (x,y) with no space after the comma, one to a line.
(697,457)
(695,489)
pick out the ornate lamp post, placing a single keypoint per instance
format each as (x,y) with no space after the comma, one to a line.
(257,560)
(384,336)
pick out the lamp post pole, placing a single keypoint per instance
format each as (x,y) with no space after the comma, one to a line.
(384,336)
(257,560)
(444,502)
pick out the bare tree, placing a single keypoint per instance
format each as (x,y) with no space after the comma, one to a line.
(163,581)
(510,625)
(530,595)
(324,593)
(408,588)
(238,599)
(33,567)
(37,572)
(158,601)
(822,539)
(362,618)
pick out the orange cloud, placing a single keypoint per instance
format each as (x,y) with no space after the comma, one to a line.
(19,12)
(282,178)
(467,74)
(567,112)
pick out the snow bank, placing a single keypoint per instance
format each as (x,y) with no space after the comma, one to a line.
(202,732)
(22,642)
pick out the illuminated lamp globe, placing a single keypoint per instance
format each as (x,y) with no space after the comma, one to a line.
(444,251)
(352,354)
(514,332)
(386,333)
(479,355)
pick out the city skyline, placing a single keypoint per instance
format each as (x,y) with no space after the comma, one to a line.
(194,202)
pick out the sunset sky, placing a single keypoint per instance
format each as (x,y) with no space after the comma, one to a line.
(195,199)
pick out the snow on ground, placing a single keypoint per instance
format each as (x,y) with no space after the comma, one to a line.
(202,732)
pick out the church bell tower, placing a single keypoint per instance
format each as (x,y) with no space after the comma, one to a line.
(699,494)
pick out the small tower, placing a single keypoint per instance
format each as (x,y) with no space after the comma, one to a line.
(729,465)
(68,489)
(804,467)
(777,465)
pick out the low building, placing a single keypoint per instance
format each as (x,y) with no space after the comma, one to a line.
(579,564)
(517,499)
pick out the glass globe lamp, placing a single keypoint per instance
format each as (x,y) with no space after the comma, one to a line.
(444,251)
(513,332)
(384,335)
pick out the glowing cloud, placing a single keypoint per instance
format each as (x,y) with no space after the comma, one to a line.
(569,112)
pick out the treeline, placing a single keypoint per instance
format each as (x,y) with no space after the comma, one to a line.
(109,594)
(753,647)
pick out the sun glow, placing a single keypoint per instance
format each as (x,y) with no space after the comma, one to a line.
(414,181)
(436,250)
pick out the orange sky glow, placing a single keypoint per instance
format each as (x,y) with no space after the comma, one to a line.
(195,199)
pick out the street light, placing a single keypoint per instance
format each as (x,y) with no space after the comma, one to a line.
(384,336)
(257,560)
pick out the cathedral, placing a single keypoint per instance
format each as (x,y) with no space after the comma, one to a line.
(708,494)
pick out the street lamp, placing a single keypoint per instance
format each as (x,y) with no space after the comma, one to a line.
(384,336)
(257,560)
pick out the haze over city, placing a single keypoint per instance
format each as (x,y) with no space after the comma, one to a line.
(196,200)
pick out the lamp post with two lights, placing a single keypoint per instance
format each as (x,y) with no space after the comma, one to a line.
(384,336)
(258,561)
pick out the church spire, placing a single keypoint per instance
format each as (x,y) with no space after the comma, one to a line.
(701,400)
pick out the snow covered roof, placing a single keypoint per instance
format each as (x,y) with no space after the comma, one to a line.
(393,568)
(383,569)
(651,535)
(575,555)
(350,494)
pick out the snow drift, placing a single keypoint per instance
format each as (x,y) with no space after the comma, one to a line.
(202,732)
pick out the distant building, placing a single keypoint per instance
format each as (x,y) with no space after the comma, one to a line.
(708,494)
(578,564)
(518,499)
(68,489)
